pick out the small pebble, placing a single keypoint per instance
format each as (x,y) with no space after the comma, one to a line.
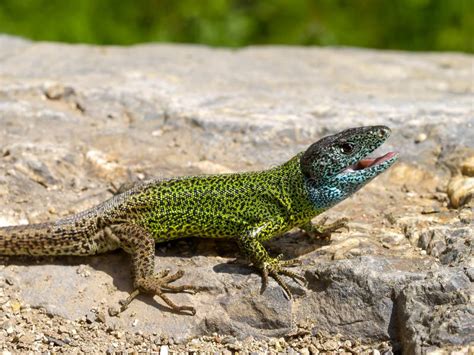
(90,318)
(15,306)
(430,210)
(113,311)
(164,350)
(421,138)
(9,329)
(460,190)
(467,167)
(331,345)
(101,317)
(83,270)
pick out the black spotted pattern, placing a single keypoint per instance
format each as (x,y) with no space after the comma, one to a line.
(249,207)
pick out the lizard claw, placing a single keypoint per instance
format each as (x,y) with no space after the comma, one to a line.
(275,267)
(159,284)
(324,231)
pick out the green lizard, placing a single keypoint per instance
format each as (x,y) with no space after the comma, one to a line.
(250,207)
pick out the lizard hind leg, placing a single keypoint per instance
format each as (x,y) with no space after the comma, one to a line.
(140,244)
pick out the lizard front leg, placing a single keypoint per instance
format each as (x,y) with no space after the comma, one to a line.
(140,244)
(253,249)
(323,230)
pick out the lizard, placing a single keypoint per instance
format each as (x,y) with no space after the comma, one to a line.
(249,207)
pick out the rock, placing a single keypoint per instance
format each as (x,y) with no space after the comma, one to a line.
(349,295)
(331,345)
(353,291)
(36,171)
(421,138)
(8,327)
(270,313)
(436,311)
(83,270)
(414,178)
(27,339)
(164,350)
(104,165)
(101,317)
(58,92)
(466,216)
(112,114)
(460,190)
(313,350)
(431,209)
(451,245)
(15,306)
(467,167)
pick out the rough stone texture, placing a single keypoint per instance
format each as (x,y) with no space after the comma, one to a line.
(77,121)
(436,311)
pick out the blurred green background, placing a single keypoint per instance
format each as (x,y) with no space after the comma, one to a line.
(428,25)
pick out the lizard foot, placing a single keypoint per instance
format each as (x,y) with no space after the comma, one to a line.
(323,230)
(159,284)
(274,267)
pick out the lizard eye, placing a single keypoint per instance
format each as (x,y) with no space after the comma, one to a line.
(346,148)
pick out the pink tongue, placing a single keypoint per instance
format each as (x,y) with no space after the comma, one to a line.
(365,163)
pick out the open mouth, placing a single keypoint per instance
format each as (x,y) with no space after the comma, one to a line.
(369,162)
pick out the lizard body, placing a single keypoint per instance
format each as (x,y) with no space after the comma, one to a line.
(249,207)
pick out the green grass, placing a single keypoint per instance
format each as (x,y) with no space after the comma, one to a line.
(428,25)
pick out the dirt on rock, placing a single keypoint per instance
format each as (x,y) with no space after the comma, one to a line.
(78,121)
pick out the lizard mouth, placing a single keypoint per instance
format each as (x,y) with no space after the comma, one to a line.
(369,162)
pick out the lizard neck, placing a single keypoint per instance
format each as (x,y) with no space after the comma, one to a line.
(296,192)
(321,197)
(309,197)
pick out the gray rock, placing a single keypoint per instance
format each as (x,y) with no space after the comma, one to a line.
(76,119)
(452,245)
(436,311)
(357,296)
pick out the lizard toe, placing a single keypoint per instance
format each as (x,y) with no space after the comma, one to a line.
(275,268)
(159,284)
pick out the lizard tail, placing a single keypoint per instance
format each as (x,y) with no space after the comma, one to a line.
(45,239)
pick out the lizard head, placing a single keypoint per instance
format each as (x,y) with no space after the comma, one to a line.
(337,166)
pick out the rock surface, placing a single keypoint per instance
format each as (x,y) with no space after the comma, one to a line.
(77,121)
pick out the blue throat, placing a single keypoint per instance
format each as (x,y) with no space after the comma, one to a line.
(323,196)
